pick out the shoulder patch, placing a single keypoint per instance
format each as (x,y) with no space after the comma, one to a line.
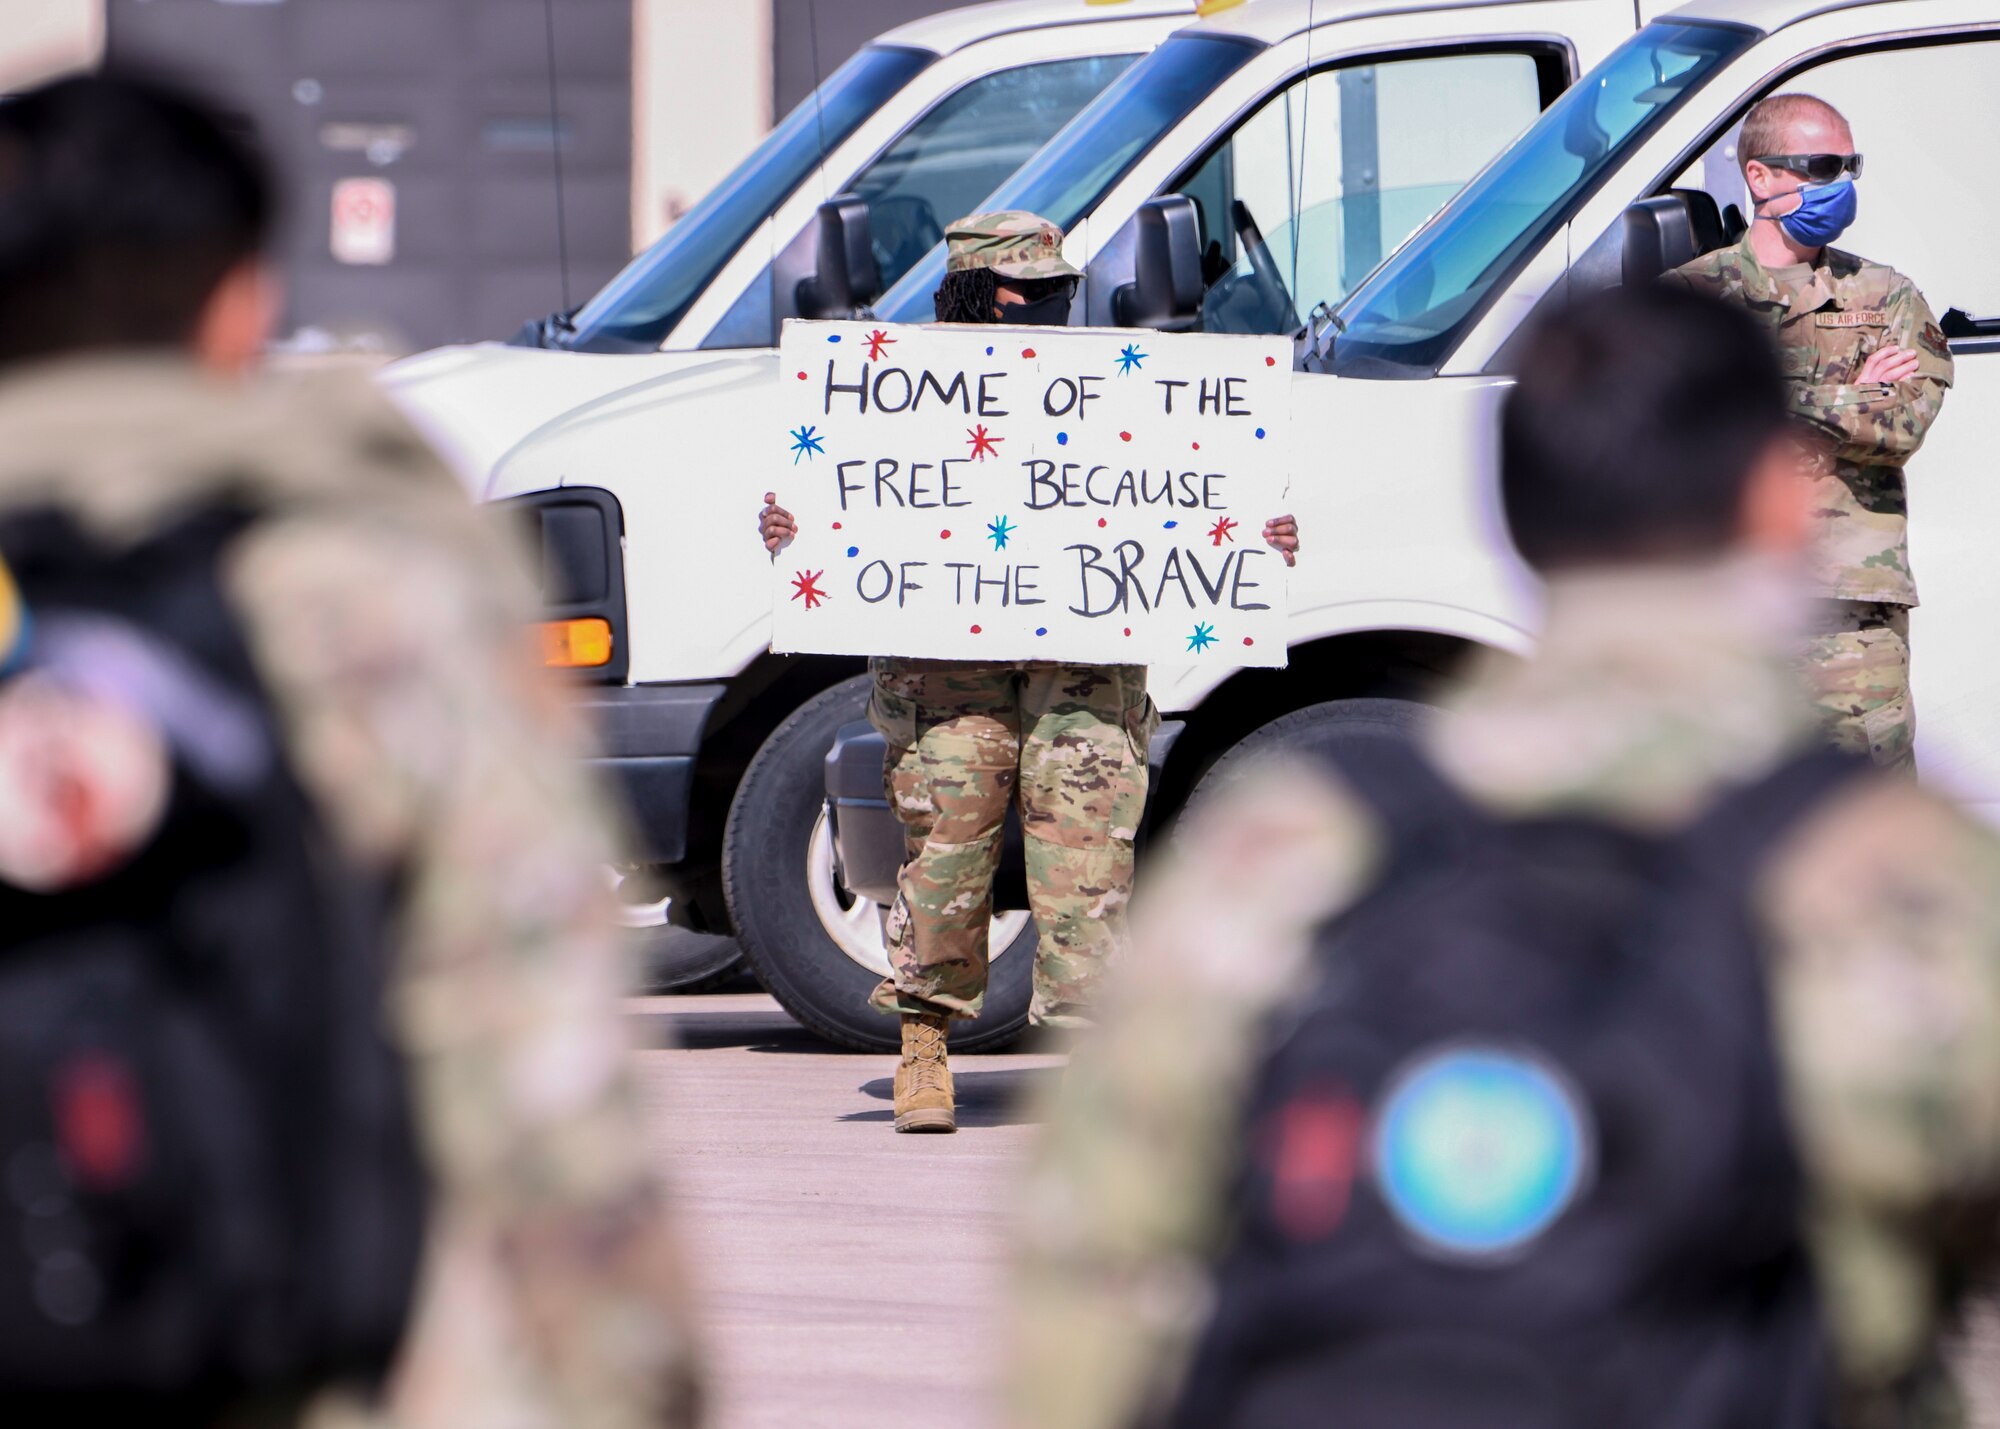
(1479,1150)
(1933,341)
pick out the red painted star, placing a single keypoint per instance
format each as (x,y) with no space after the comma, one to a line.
(983,445)
(806,588)
(1220,531)
(877,340)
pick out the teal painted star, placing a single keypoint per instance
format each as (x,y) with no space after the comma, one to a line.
(1000,530)
(1203,637)
(806,442)
(1130,359)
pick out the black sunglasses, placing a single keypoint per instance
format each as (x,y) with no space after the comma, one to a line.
(1815,168)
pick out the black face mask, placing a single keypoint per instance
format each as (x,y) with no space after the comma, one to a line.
(1051,310)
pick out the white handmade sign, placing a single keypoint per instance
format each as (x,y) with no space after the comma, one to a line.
(1086,494)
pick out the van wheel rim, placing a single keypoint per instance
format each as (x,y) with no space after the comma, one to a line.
(855,924)
(641,914)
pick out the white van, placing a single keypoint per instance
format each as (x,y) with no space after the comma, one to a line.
(1633,171)
(923,122)
(1363,117)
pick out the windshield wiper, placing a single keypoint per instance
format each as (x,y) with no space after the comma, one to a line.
(550,331)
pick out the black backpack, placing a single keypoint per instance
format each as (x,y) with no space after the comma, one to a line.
(210,1191)
(1520,1160)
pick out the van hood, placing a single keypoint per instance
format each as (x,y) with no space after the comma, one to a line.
(477,401)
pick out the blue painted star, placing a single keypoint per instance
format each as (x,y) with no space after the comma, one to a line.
(1000,530)
(1130,359)
(1203,637)
(806,442)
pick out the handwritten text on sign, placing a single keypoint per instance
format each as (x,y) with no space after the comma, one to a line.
(1006,493)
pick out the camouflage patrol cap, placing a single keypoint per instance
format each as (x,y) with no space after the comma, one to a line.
(1013,244)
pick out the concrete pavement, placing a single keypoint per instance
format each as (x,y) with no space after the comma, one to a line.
(848,1275)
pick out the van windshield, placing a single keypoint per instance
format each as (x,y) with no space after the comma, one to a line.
(1069,175)
(1406,318)
(638,308)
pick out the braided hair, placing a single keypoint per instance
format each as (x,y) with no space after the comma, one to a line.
(967,296)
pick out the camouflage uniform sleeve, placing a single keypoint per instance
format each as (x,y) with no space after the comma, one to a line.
(1883,424)
(553,1292)
(1124,1206)
(1886,997)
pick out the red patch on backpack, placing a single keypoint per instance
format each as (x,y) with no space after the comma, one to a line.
(1312,1150)
(99,1128)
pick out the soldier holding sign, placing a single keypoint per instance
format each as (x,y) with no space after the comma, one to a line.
(965,735)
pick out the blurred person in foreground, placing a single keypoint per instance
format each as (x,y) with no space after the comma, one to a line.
(1867,367)
(1648,473)
(390,648)
(967,738)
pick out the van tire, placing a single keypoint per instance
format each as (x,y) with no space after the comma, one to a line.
(765,847)
(1309,731)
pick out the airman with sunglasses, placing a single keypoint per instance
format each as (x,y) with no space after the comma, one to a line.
(1868,367)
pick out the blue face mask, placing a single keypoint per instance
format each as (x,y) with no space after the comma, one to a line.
(1823,214)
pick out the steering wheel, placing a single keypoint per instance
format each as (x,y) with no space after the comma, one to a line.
(1264,274)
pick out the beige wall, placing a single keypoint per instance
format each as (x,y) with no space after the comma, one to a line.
(701,99)
(40,38)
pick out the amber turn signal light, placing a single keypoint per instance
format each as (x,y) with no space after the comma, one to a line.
(576,644)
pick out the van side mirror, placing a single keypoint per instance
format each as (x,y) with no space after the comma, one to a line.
(1166,287)
(846,277)
(1659,237)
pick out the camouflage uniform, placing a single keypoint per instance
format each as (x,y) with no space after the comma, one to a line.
(1884,916)
(552,1294)
(965,736)
(965,740)
(1827,318)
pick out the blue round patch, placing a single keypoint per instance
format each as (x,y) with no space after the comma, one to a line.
(1478,1151)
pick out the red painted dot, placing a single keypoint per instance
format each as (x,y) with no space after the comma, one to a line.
(1128,630)
(802,377)
(1248,641)
(1270,362)
(1197,446)
(1100,521)
(975,630)
(944,535)
(1124,436)
(836,525)
(1027,352)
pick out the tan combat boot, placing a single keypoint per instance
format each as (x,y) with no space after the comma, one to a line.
(923,1078)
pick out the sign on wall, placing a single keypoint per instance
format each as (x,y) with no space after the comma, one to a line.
(364,221)
(1085,494)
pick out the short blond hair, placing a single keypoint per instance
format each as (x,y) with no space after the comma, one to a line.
(1765,125)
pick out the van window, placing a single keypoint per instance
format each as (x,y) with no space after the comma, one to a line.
(635,311)
(1915,156)
(1073,171)
(949,160)
(1405,319)
(939,169)
(1304,197)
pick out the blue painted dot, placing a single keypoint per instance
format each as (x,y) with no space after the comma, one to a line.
(1172,524)
(835,337)
(989,352)
(853,550)
(1260,434)
(1042,630)
(1062,438)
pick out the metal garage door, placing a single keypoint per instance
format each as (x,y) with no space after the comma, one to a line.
(430,121)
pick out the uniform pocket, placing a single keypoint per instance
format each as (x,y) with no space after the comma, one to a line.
(1142,722)
(1892,731)
(894,717)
